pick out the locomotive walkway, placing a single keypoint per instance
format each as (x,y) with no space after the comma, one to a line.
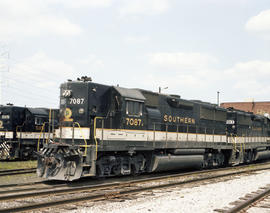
(64,194)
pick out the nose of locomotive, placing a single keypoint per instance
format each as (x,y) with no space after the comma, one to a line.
(59,164)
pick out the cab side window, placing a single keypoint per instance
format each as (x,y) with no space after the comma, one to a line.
(38,121)
(134,108)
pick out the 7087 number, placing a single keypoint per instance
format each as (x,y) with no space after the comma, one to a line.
(134,122)
(76,101)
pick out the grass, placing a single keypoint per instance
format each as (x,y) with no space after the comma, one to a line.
(17,164)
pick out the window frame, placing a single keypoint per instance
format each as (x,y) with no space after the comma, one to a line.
(128,107)
(40,119)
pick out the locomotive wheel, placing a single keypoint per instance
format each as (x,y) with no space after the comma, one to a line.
(116,170)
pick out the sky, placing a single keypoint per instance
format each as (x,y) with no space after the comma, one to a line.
(193,48)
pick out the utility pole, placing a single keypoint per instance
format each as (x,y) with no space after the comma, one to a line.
(159,89)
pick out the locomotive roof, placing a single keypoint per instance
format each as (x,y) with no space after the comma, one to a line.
(209,105)
(130,93)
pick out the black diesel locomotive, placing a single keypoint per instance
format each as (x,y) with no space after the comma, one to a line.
(108,130)
(23,130)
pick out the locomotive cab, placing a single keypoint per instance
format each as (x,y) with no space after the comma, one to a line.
(132,111)
(10,118)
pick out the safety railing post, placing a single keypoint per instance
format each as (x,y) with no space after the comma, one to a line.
(49,125)
(177,130)
(154,133)
(204,134)
(95,133)
(102,130)
(20,138)
(43,134)
(166,133)
(196,132)
(213,135)
(72,133)
(53,125)
(61,132)
(43,138)
(187,132)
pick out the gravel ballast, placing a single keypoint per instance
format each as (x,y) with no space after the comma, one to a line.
(202,198)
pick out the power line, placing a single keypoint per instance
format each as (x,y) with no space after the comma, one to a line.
(17,62)
(31,77)
(46,92)
(31,84)
(34,91)
(27,94)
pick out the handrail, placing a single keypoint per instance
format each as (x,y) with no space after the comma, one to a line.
(48,133)
(85,152)
(95,136)
(243,144)
(42,128)
(17,127)
(49,125)
(234,142)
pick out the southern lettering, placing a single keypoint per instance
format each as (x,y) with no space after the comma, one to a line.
(177,119)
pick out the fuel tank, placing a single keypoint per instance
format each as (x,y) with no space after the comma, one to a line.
(176,162)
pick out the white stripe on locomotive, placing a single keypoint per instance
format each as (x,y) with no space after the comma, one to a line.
(147,135)
(6,134)
(33,135)
(141,135)
(67,132)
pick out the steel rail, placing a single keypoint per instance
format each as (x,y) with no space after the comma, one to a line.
(4,186)
(119,187)
(17,171)
(66,188)
(30,188)
(181,174)
(249,202)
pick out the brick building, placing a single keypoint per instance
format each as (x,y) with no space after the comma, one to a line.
(261,108)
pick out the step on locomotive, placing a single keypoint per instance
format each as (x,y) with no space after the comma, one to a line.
(110,131)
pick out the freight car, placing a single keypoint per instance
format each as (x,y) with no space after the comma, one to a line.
(23,130)
(110,130)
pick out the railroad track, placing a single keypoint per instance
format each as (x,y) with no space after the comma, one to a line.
(64,194)
(47,184)
(260,200)
(17,171)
